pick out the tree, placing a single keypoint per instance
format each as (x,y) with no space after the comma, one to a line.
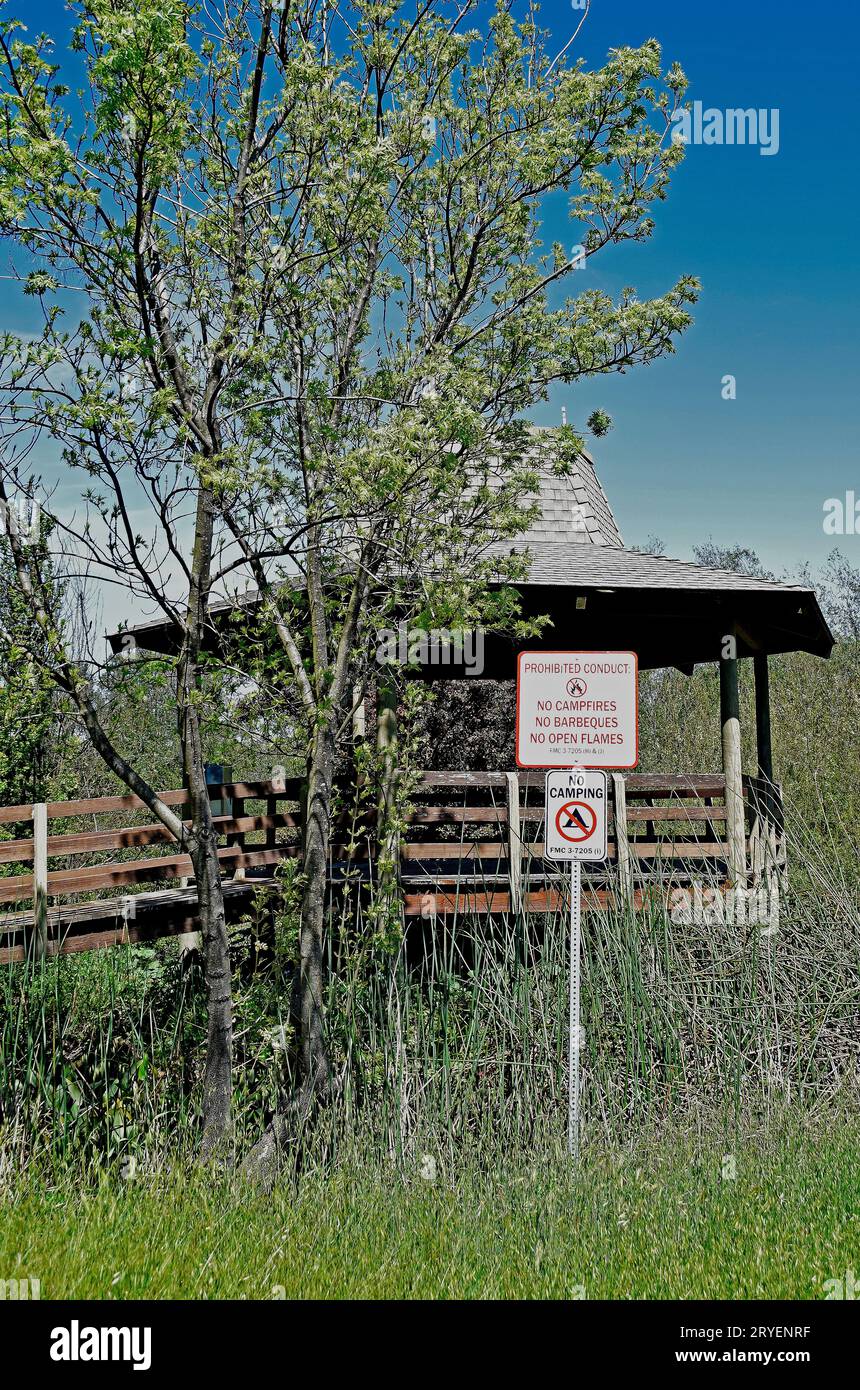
(318,308)
(470,724)
(30,719)
(420,155)
(737,558)
(838,585)
(131,389)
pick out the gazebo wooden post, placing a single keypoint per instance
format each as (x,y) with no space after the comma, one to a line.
(515,843)
(764,749)
(770,815)
(731,740)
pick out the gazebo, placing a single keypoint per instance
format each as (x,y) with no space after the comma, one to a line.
(599,595)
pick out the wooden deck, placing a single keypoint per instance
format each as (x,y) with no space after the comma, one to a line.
(474,845)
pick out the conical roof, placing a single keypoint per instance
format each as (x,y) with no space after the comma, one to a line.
(574,508)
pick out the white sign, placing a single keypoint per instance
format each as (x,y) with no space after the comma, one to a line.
(577,709)
(575,815)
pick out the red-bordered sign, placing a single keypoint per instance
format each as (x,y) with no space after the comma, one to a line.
(577,709)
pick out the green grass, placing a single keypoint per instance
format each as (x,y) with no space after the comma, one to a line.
(660,1222)
(455,1045)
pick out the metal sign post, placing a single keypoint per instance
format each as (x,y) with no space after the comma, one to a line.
(575,972)
(575,830)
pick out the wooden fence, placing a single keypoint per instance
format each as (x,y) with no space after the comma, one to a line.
(64,911)
(473,843)
(481,841)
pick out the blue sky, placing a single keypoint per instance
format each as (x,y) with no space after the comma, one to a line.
(773,241)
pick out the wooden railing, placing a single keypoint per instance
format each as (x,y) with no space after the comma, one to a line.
(474,842)
(55,899)
(481,841)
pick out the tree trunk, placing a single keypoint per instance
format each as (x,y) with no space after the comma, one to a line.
(263,1160)
(218,1074)
(315,1065)
(203,848)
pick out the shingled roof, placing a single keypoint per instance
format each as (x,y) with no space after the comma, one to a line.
(574,509)
(600,595)
(669,611)
(558,564)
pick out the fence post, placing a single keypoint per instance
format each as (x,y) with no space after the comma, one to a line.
(387,832)
(40,880)
(515,842)
(277,783)
(622,841)
(731,741)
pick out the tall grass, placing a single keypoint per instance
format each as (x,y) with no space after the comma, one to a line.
(456,1041)
(463,1035)
(97,1053)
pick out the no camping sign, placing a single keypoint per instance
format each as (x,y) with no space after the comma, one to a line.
(575,816)
(577,712)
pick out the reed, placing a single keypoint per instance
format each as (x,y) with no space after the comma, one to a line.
(454,1038)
